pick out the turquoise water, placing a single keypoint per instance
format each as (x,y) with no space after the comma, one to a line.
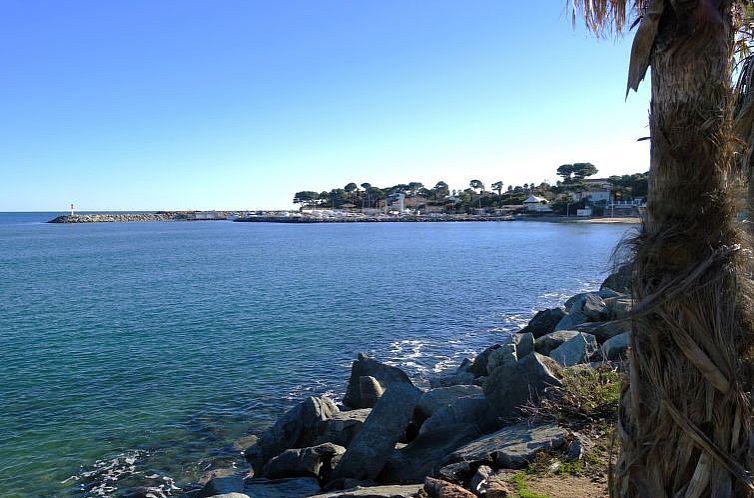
(164,342)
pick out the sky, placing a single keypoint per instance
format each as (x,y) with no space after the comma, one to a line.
(238,104)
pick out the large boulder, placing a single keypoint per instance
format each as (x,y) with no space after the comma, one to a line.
(372,446)
(455,379)
(619,281)
(616,347)
(342,427)
(543,322)
(282,488)
(406,491)
(620,307)
(370,390)
(605,330)
(571,320)
(365,366)
(509,387)
(512,447)
(524,344)
(297,428)
(224,495)
(545,344)
(479,366)
(577,349)
(435,399)
(472,410)
(315,461)
(221,485)
(505,355)
(425,454)
(594,308)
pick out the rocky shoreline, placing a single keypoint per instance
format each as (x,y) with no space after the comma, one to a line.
(461,438)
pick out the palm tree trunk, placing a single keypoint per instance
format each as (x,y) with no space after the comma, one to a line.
(686,413)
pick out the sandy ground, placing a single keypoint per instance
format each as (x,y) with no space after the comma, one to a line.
(567,487)
(611,220)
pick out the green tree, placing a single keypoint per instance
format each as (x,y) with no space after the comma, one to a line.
(498,187)
(582,170)
(440,190)
(305,197)
(686,417)
(565,171)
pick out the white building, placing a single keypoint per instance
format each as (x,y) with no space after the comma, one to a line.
(537,204)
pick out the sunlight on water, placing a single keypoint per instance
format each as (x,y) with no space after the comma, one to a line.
(137,354)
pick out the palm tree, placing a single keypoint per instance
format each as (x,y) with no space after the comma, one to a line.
(685,419)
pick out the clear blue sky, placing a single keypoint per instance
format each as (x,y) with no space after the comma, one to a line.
(237,104)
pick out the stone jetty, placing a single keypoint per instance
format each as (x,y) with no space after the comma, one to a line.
(142,217)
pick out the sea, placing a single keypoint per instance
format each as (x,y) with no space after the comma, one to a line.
(138,354)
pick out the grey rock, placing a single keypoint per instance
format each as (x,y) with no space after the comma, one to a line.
(575,450)
(480,381)
(470,410)
(577,349)
(456,379)
(230,495)
(620,307)
(406,491)
(616,347)
(458,472)
(372,446)
(222,485)
(595,308)
(297,428)
(574,302)
(425,454)
(435,399)
(543,322)
(315,461)
(510,387)
(365,366)
(479,366)
(465,366)
(608,293)
(511,447)
(545,344)
(524,344)
(370,391)
(571,320)
(342,427)
(619,281)
(605,330)
(282,488)
(483,473)
(504,355)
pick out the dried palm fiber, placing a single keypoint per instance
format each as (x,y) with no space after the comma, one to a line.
(685,420)
(743,126)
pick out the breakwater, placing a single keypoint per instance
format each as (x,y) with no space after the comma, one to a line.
(142,217)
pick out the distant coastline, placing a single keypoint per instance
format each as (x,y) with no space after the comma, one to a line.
(320,217)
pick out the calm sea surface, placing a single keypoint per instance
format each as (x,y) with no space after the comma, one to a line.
(158,344)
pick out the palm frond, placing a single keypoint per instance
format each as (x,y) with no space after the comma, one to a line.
(604,16)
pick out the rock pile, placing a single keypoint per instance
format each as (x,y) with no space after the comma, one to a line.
(391,439)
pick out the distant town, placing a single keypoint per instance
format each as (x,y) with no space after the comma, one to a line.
(575,195)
